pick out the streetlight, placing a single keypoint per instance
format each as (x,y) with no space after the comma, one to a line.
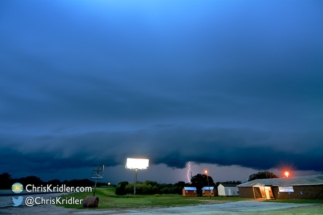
(208,184)
(286,174)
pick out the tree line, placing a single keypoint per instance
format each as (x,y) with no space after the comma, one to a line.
(149,187)
(152,187)
(146,187)
(198,181)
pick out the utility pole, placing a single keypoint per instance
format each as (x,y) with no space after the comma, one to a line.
(97,173)
(208,184)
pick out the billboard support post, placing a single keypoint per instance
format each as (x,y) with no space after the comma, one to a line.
(134,187)
(136,163)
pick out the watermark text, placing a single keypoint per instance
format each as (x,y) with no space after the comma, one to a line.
(31,201)
(58,188)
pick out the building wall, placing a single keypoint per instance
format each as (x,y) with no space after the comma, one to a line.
(247,192)
(300,192)
(234,191)
(221,191)
(207,193)
(188,193)
(224,191)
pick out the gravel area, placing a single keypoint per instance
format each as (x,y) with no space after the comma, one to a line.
(231,208)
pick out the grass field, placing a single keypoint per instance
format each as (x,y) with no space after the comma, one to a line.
(108,199)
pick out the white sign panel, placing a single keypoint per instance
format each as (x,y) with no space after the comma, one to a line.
(137,163)
(286,189)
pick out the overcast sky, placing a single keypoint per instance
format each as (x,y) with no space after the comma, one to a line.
(232,86)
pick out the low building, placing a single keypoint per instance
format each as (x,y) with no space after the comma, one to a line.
(228,190)
(303,187)
(209,191)
(189,191)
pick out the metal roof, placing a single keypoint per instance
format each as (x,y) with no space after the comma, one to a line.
(207,188)
(294,181)
(228,185)
(189,188)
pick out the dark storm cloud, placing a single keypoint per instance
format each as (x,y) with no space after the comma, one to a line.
(241,101)
(173,146)
(215,82)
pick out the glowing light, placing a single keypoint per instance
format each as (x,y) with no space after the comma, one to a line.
(188,172)
(205,171)
(136,163)
(286,174)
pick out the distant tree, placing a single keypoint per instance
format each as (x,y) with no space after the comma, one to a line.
(152,183)
(262,175)
(128,188)
(200,181)
(54,182)
(180,184)
(121,188)
(78,183)
(178,187)
(149,188)
(31,180)
(5,181)
(5,176)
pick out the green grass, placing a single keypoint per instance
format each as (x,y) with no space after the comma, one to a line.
(108,199)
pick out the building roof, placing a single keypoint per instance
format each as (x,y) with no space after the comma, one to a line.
(207,188)
(189,188)
(228,185)
(294,181)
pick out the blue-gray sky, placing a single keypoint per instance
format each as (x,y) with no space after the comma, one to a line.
(226,84)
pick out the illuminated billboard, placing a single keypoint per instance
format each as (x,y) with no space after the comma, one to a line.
(137,163)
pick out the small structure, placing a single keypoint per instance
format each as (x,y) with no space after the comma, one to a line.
(303,187)
(189,191)
(255,190)
(228,190)
(209,191)
(91,202)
